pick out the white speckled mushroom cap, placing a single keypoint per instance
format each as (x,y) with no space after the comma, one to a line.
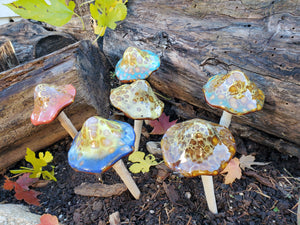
(137,101)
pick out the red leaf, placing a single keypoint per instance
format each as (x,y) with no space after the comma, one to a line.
(48,219)
(161,125)
(25,181)
(29,196)
(8,184)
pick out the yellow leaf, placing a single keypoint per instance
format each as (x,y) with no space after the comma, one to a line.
(233,171)
(141,165)
(47,157)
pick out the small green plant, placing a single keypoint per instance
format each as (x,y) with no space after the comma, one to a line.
(141,163)
(40,165)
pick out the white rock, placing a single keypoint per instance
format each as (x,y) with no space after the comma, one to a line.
(12,214)
(153,147)
(188,195)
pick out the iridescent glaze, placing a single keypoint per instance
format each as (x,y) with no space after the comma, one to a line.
(136,64)
(137,100)
(197,147)
(49,101)
(100,144)
(234,93)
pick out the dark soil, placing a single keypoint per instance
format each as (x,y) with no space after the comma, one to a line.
(246,201)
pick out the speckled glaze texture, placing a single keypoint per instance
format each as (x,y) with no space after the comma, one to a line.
(100,144)
(234,93)
(136,64)
(49,101)
(137,100)
(197,147)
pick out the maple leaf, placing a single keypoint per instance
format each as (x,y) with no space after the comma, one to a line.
(56,14)
(248,162)
(233,171)
(161,125)
(48,219)
(141,165)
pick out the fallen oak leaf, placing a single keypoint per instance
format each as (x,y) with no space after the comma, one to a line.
(248,162)
(161,125)
(29,196)
(22,191)
(233,171)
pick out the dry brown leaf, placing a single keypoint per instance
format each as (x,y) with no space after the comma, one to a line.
(233,171)
(171,192)
(248,162)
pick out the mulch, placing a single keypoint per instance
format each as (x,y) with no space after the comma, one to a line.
(267,195)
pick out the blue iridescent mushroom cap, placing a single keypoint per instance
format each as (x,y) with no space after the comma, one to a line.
(136,64)
(100,144)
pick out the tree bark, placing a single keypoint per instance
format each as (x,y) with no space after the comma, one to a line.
(199,39)
(74,65)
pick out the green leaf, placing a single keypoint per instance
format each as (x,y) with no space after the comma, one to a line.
(276,209)
(107,13)
(141,165)
(56,14)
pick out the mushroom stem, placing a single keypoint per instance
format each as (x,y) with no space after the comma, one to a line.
(67,124)
(225,119)
(208,185)
(138,124)
(124,174)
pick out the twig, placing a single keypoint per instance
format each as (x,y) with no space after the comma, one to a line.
(273,206)
(295,205)
(189,221)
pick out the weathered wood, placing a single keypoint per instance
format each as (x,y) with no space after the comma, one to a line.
(76,65)
(100,190)
(8,58)
(198,39)
(32,40)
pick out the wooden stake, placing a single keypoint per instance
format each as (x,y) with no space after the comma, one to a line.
(138,124)
(208,186)
(67,124)
(124,174)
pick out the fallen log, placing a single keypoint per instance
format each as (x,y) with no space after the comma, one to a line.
(74,64)
(32,40)
(199,39)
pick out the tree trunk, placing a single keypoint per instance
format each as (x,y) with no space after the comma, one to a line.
(199,39)
(74,65)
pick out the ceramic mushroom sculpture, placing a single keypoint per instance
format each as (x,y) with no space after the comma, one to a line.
(49,102)
(102,144)
(198,147)
(234,93)
(138,102)
(136,64)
